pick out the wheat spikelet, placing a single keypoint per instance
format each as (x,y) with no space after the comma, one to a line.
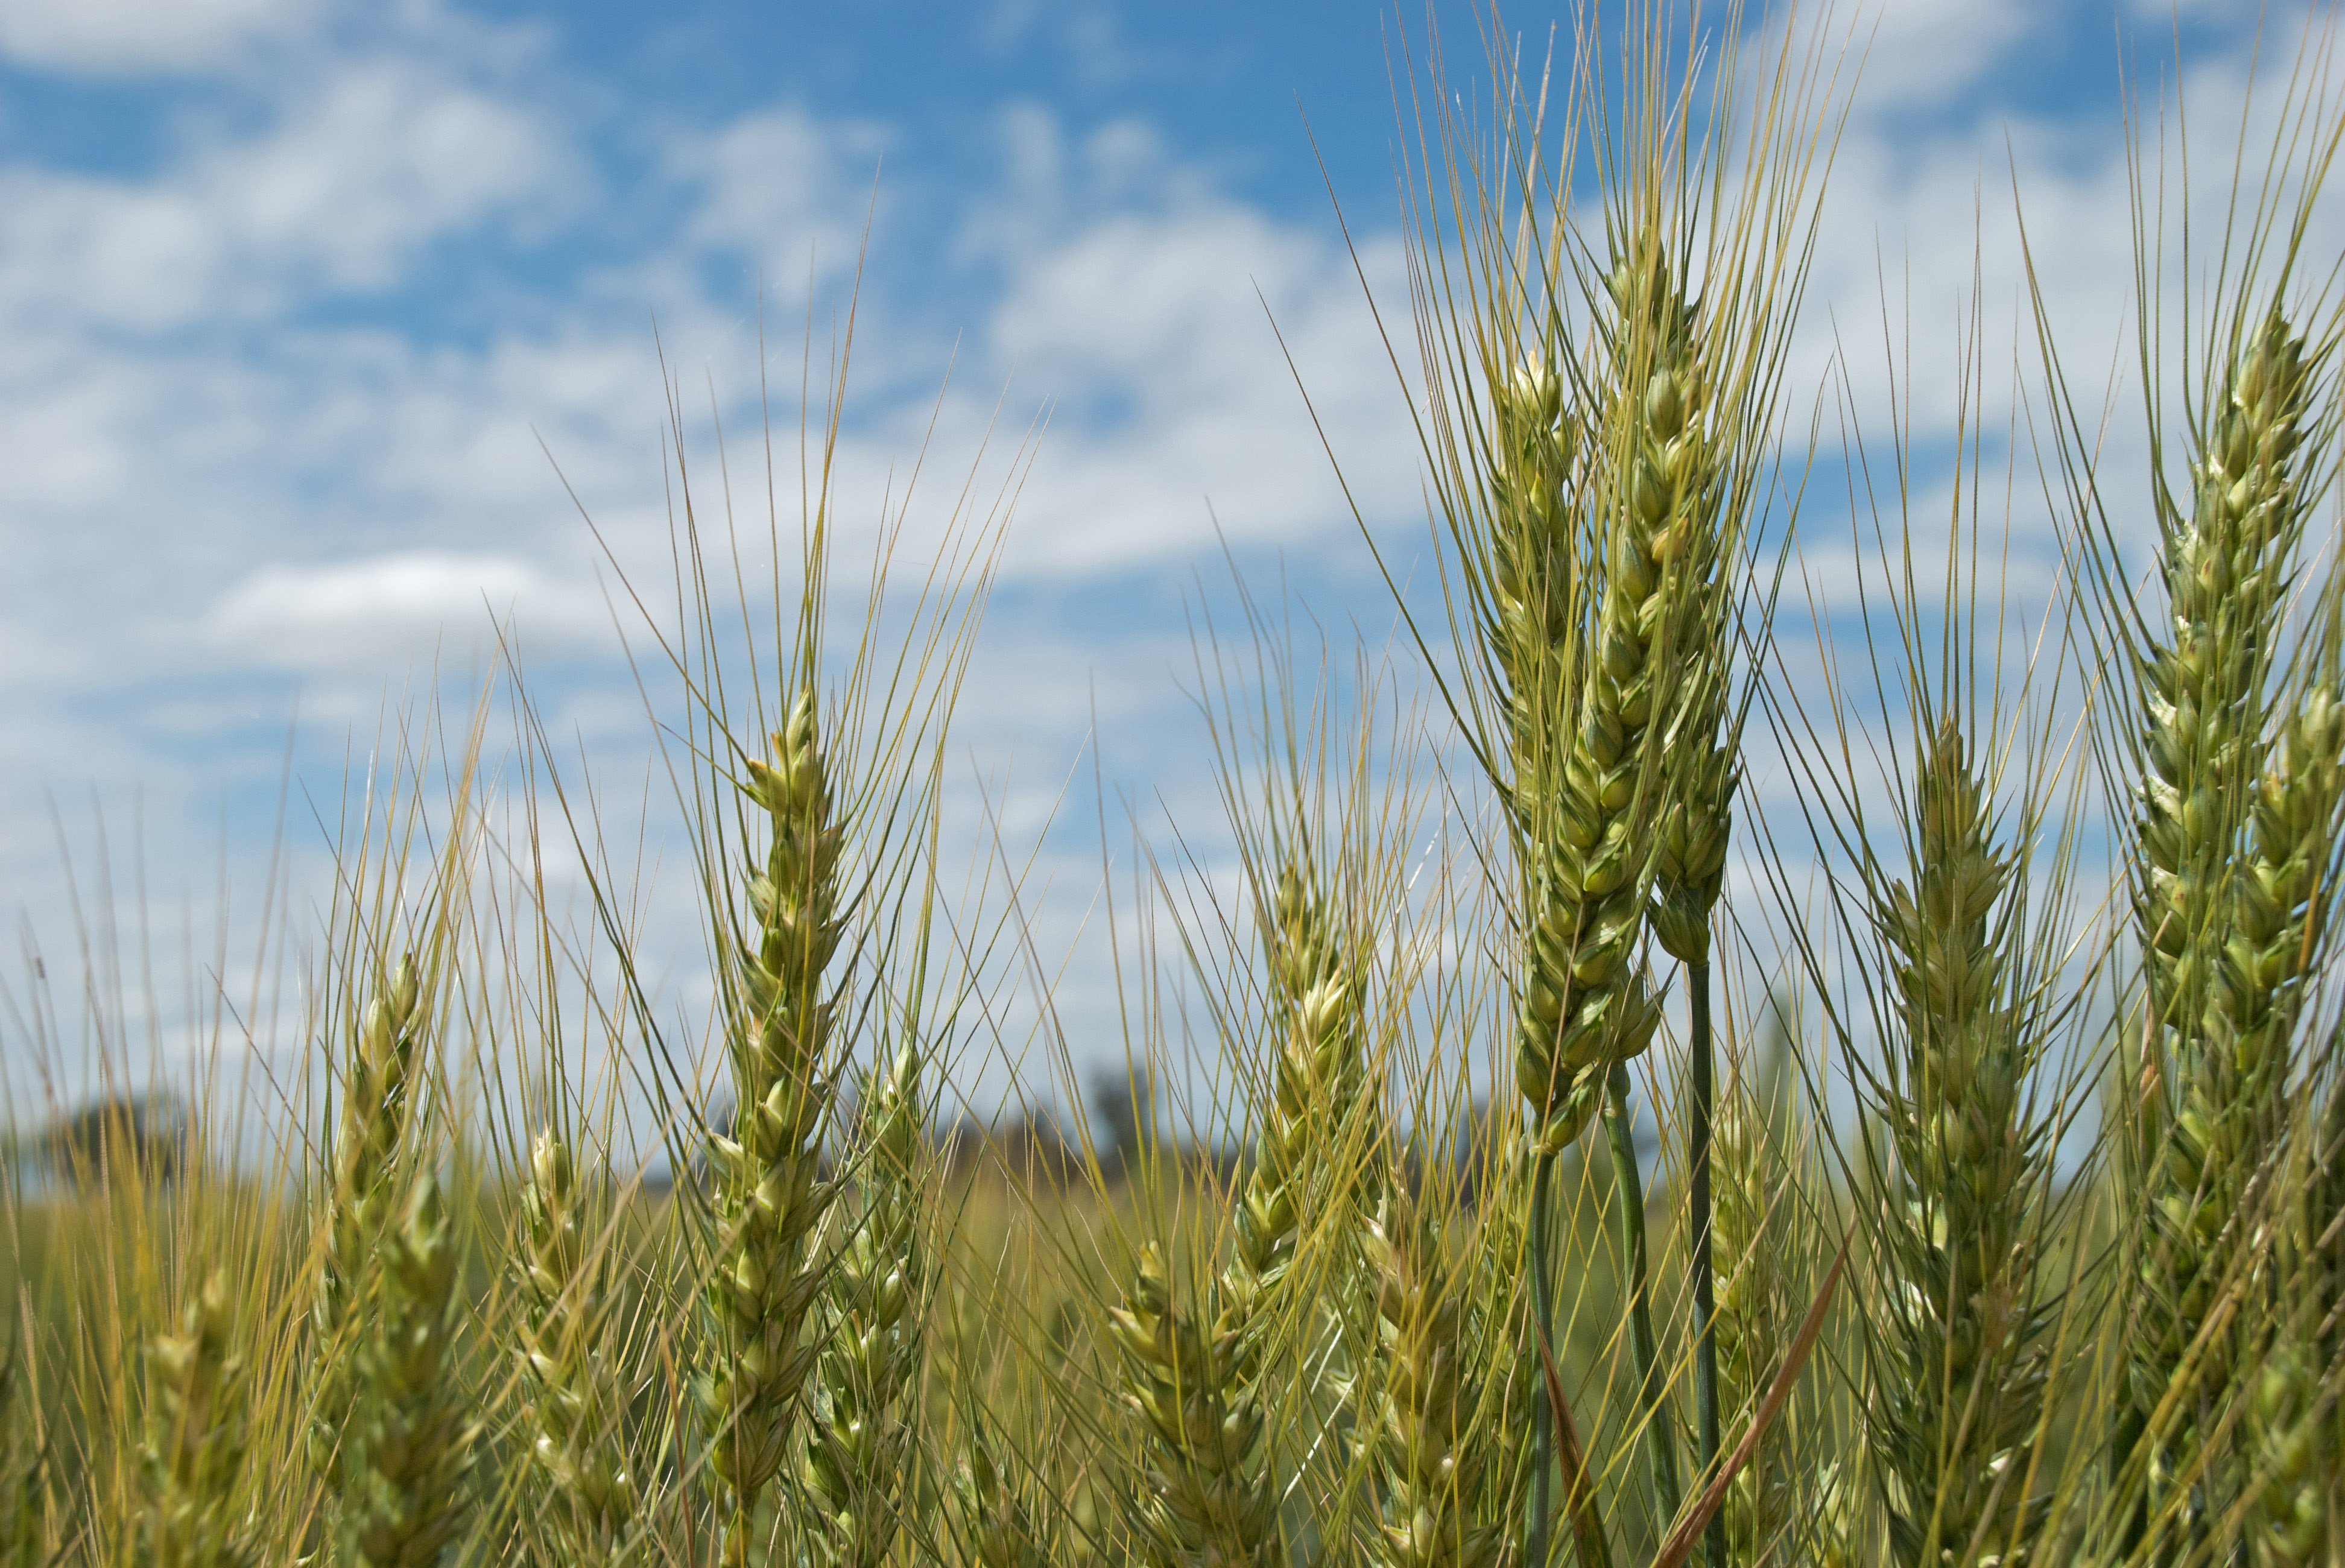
(859,1440)
(195,1452)
(1960,1399)
(407,1448)
(769,1199)
(2225,572)
(1210,1498)
(368,1160)
(576,1396)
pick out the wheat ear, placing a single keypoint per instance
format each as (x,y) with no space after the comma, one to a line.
(369,1168)
(1661,661)
(1436,1459)
(1961,1395)
(195,1446)
(768,1196)
(1759,1306)
(1210,1497)
(1220,1495)
(1579,787)
(997,1528)
(577,1397)
(2225,570)
(860,1439)
(407,1449)
(2284,903)
(1308,1141)
(1679,460)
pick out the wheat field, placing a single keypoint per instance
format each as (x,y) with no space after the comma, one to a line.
(1941,1161)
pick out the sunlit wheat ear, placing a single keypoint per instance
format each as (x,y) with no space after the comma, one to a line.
(197,1420)
(1434,1438)
(575,1395)
(2226,569)
(768,1196)
(407,1449)
(995,1527)
(860,1439)
(369,1160)
(1676,485)
(1209,1496)
(1962,1385)
(1584,1003)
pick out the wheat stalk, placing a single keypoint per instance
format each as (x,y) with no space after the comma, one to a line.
(768,1196)
(859,1440)
(577,1397)
(1217,1494)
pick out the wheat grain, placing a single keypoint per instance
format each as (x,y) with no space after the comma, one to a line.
(1582,805)
(1303,1173)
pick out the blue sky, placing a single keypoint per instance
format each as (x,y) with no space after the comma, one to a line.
(292,292)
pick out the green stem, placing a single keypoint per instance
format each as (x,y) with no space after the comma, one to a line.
(1705,1283)
(1547,1417)
(1660,1436)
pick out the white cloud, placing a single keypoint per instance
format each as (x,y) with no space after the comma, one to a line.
(1149,326)
(781,185)
(397,610)
(112,37)
(1921,53)
(358,174)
